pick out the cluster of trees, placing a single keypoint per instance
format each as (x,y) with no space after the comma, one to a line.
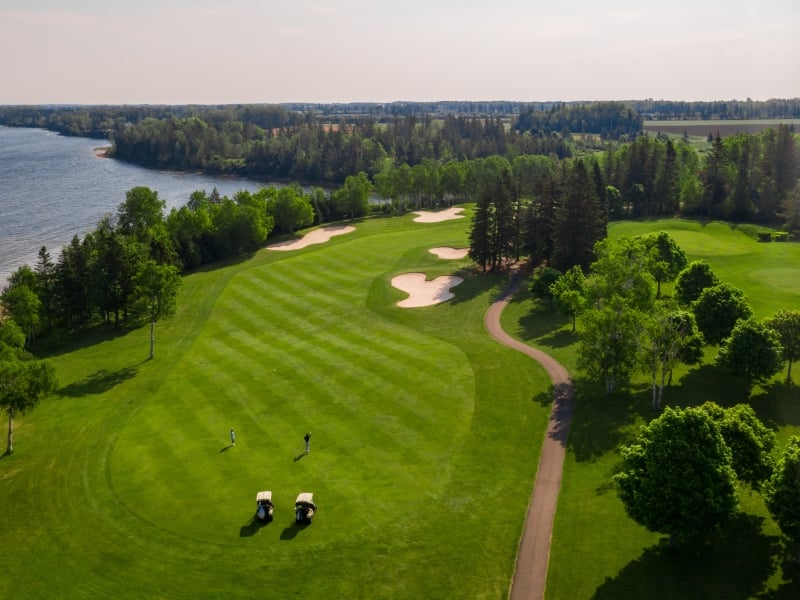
(611,120)
(628,327)
(535,206)
(775,108)
(128,267)
(318,151)
(681,476)
(747,177)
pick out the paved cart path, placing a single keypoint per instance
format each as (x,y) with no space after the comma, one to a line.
(530,573)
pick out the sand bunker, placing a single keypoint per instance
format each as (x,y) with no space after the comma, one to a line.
(427,216)
(318,236)
(424,293)
(449,253)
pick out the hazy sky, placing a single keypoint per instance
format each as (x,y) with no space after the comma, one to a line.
(211,51)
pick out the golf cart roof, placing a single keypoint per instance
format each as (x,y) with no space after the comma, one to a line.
(264,496)
(305,498)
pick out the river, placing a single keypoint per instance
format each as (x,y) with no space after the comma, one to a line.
(53,187)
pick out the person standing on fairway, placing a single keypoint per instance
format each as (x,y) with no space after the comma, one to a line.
(307,438)
(233,437)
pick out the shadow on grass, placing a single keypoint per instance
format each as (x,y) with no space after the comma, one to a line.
(736,564)
(252,528)
(542,323)
(709,382)
(778,404)
(603,422)
(291,531)
(98,382)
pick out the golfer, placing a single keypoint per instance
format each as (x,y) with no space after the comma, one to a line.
(307,438)
(233,437)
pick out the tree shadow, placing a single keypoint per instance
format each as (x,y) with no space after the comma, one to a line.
(541,325)
(778,404)
(64,342)
(709,382)
(559,339)
(603,422)
(736,563)
(98,382)
(474,285)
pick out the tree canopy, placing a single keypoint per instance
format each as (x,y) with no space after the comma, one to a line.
(677,478)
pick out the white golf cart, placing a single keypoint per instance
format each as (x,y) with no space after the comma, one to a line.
(264,506)
(304,508)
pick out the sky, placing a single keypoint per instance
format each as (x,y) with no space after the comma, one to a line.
(266,51)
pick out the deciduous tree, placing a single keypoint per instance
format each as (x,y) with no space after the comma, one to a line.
(782,492)
(787,324)
(717,309)
(24,381)
(677,477)
(156,290)
(752,351)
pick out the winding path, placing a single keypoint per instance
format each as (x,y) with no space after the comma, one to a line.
(530,573)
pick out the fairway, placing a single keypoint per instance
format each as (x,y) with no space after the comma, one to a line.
(424,445)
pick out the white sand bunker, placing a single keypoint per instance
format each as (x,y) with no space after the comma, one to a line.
(422,292)
(318,236)
(449,253)
(427,216)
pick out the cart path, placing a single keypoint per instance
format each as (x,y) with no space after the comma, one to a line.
(530,573)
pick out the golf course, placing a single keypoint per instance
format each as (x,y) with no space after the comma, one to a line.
(425,438)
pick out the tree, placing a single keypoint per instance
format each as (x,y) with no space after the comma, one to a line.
(23,380)
(579,221)
(752,351)
(610,342)
(677,477)
(569,292)
(782,492)
(696,277)
(787,324)
(622,269)
(23,304)
(717,310)
(352,199)
(750,441)
(671,337)
(668,259)
(156,290)
(141,211)
(291,209)
(542,282)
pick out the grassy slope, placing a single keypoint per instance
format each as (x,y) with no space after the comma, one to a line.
(422,457)
(598,552)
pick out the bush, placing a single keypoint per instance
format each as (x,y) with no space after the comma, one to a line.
(764,236)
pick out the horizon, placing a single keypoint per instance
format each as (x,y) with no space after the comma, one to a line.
(210,52)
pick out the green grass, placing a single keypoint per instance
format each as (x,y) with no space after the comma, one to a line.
(598,552)
(425,440)
(423,448)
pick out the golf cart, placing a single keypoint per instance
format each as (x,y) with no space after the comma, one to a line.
(264,506)
(304,507)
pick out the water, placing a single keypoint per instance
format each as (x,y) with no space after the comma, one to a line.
(54,187)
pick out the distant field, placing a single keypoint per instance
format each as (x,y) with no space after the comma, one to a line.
(703,128)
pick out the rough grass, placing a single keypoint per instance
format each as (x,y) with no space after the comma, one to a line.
(598,552)
(423,447)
